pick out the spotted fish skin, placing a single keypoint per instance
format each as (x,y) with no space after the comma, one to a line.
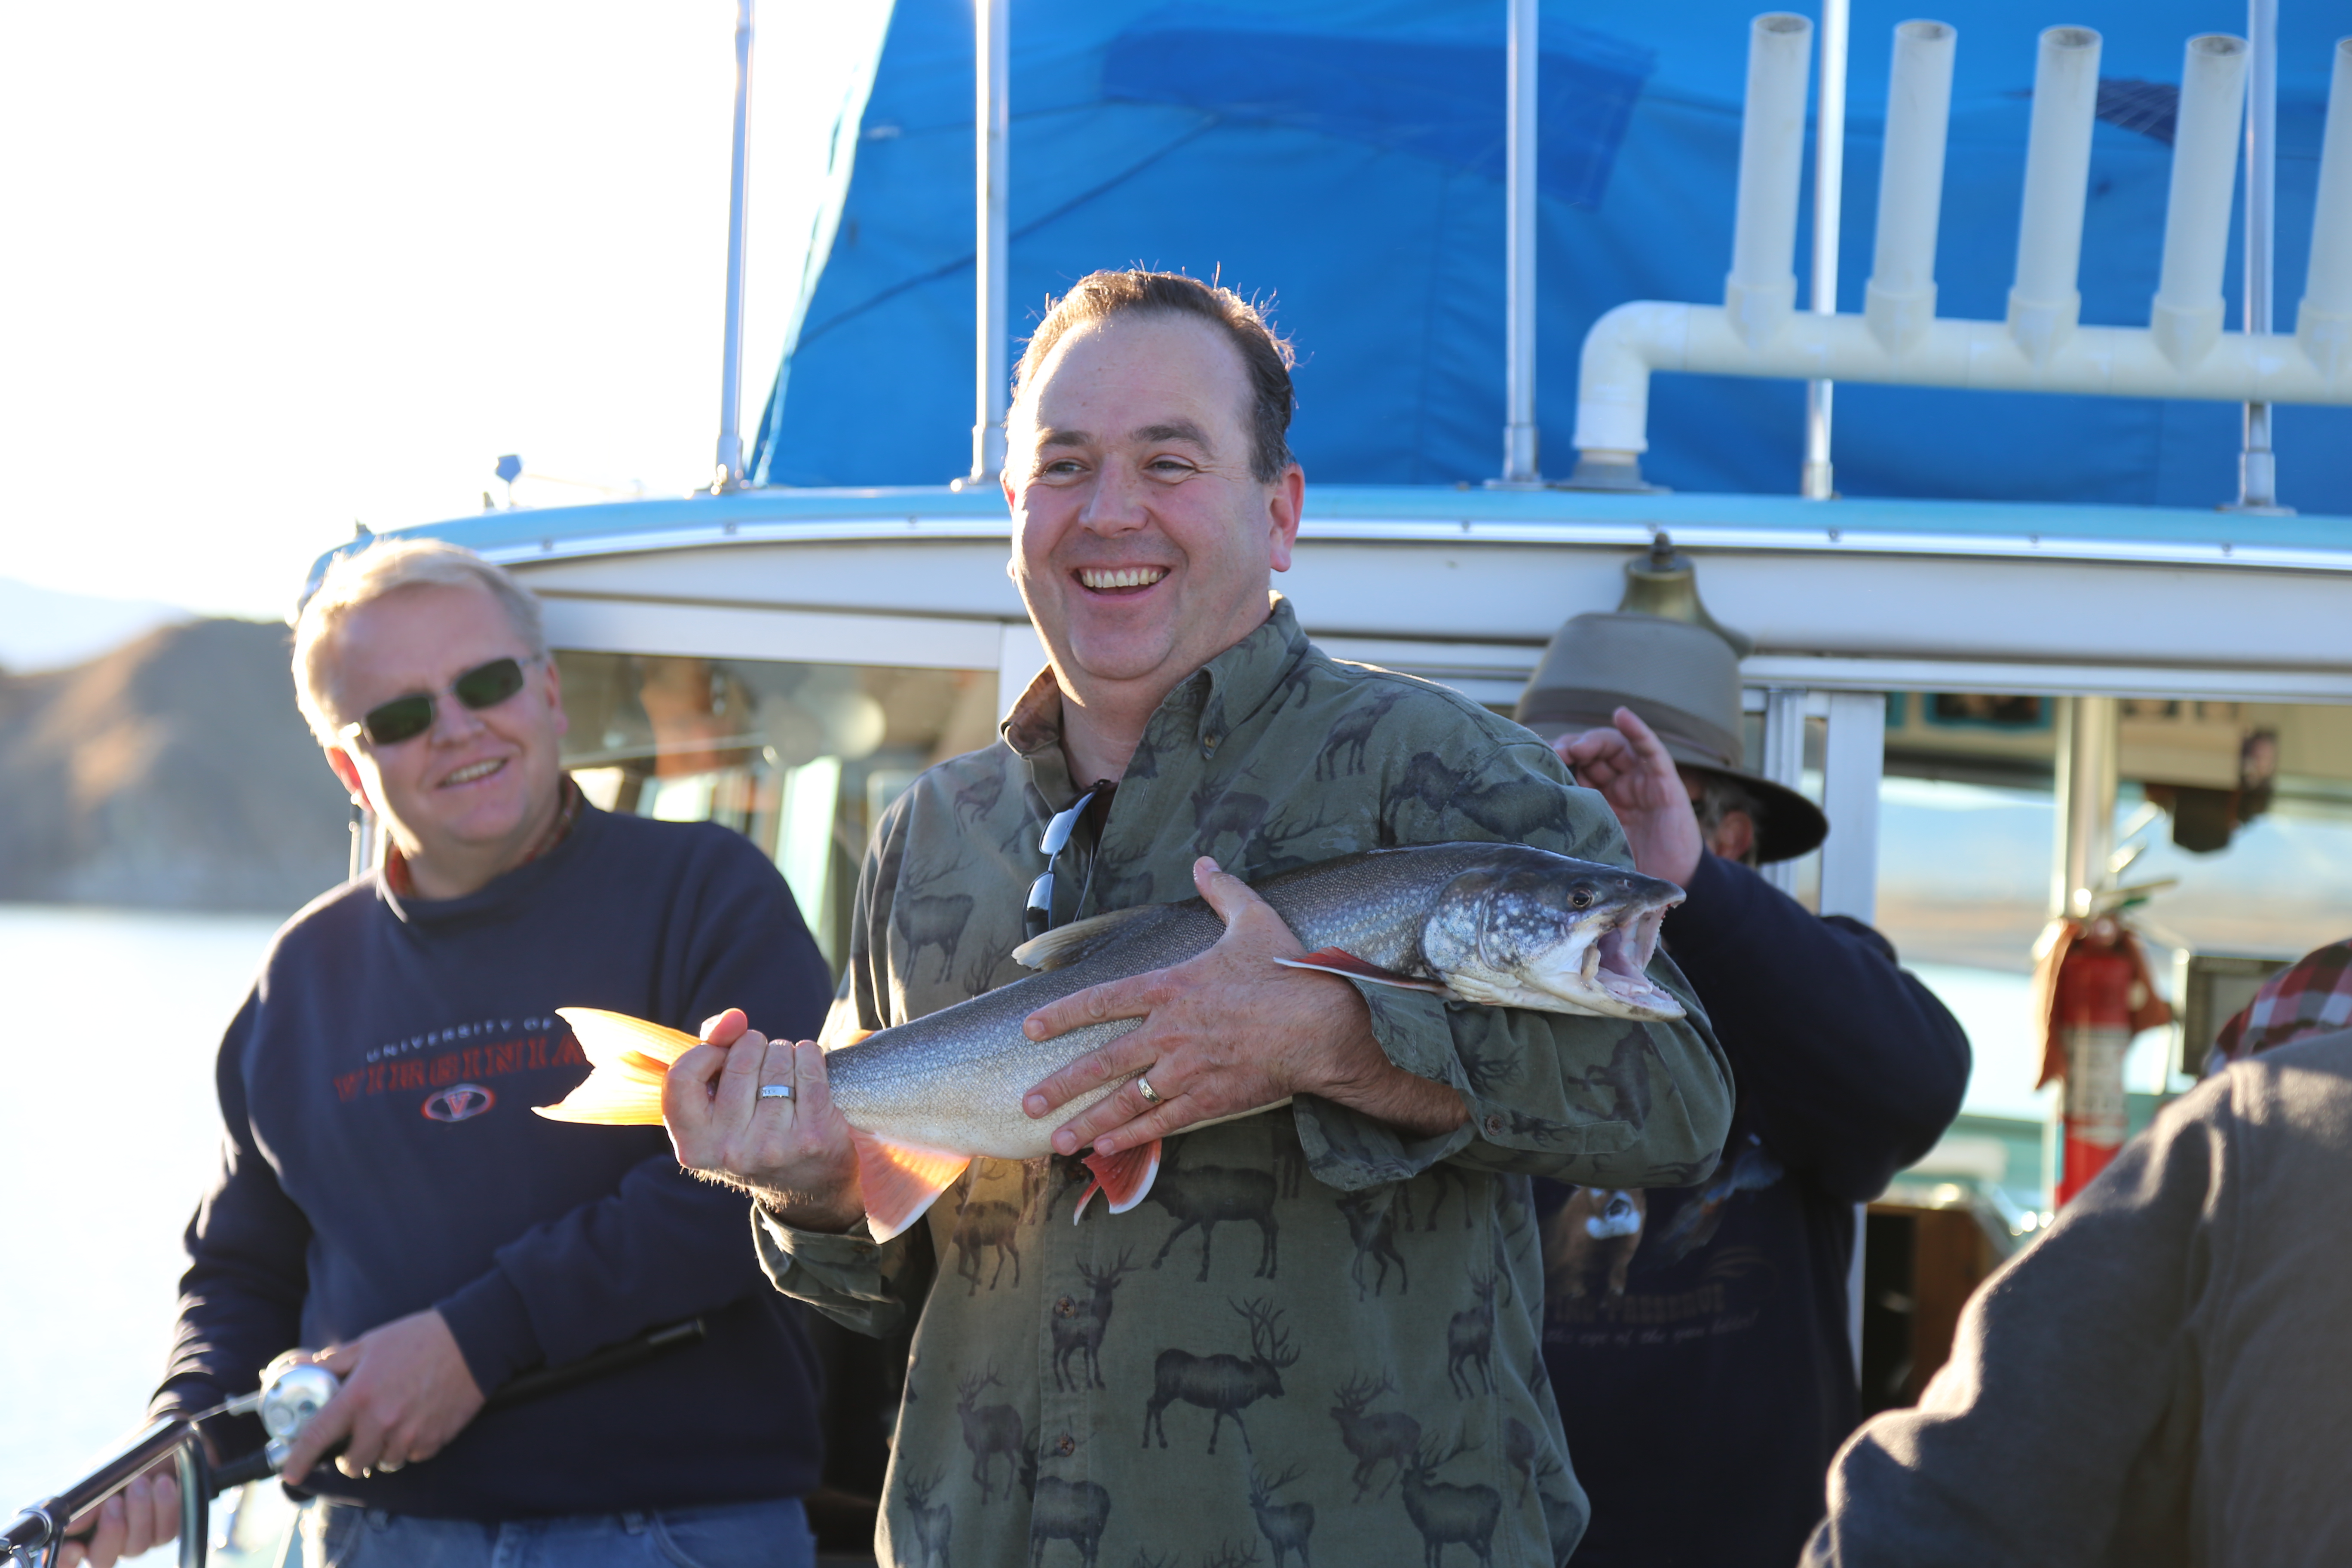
(953,1080)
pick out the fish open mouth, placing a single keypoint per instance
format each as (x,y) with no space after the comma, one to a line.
(1618,960)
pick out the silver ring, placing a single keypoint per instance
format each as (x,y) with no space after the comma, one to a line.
(1143,1087)
(775,1091)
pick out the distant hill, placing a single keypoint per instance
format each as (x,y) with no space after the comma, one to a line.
(47,629)
(172,771)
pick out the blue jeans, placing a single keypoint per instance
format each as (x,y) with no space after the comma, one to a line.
(774,1534)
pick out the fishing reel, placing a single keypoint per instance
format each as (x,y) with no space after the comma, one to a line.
(291,1392)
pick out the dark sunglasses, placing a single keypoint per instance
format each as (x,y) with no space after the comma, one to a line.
(405,717)
(1038,918)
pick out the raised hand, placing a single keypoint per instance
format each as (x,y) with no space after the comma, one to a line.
(1631,769)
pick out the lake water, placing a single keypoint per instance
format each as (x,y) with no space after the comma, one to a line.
(108,1024)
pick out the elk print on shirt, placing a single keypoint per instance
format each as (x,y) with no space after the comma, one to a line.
(931,1522)
(1075,1511)
(1078,1325)
(1204,1194)
(1470,1338)
(1371,1217)
(980,1226)
(989,1430)
(1444,1513)
(1223,1384)
(1285,1525)
(1374,1437)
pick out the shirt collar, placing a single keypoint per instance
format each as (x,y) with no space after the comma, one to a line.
(1215,698)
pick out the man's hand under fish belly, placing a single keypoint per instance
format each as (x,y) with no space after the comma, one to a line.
(1229,1032)
(794,1155)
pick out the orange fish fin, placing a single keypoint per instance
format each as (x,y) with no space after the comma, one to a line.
(615,1039)
(1123,1178)
(609,1099)
(1331,961)
(898,1182)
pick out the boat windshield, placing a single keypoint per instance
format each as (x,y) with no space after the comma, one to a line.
(802,759)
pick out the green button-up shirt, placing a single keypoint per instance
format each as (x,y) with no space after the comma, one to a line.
(1371,1331)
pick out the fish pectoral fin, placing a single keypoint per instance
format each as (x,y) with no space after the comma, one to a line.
(612,1039)
(1332,960)
(899,1183)
(1064,945)
(1123,1178)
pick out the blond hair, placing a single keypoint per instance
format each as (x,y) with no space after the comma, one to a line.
(386,567)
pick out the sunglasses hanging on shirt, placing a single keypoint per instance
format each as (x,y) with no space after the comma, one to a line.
(1038,918)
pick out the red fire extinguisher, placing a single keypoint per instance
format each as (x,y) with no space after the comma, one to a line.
(2096,980)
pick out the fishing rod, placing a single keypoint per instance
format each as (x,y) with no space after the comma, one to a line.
(291,1392)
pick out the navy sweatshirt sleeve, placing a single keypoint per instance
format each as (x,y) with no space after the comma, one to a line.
(1848,1067)
(241,1299)
(664,1246)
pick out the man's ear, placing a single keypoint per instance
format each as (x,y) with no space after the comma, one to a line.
(1287,498)
(347,774)
(1734,837)
(555,696)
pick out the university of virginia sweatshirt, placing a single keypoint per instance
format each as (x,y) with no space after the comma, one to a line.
(380,1157)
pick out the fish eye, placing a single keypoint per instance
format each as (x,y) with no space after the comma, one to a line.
(1580,899)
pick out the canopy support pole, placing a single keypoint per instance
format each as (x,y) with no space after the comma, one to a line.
(729,475)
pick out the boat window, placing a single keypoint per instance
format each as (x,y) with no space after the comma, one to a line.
(802,759)
(2236,817)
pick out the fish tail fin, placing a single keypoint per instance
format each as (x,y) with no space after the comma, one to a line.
(898,1182)
(609,1099)
(1333,960)
(609,1039)
(1123,1178)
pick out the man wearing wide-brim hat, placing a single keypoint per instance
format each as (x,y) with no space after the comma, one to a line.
(1697,1338)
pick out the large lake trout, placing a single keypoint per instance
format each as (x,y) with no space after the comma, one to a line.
(1499,924)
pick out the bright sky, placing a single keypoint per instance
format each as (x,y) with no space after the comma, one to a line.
(274,266)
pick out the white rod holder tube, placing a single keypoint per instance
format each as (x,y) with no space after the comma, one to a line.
(2257,464)
(2044,304)
(1900,299)
(2187,314)
(1519,453)
(2323,323)
(1817,481)
(992,123)
(728,471)
(1762,288)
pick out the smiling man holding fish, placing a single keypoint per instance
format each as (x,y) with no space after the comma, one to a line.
(1326,1097)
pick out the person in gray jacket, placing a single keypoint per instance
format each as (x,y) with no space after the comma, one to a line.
(2165,1377)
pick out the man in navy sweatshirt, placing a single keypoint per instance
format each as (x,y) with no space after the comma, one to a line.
(1697,1338)
(387,1199)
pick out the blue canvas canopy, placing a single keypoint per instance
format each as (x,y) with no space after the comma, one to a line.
(1343,161)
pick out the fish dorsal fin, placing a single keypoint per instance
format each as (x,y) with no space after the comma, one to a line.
(1124,1178)
(899,1183)
(1334,960)
(1067,944)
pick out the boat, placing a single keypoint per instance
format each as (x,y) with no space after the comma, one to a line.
(2070,628)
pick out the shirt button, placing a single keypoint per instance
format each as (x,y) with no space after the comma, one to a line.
(1065,1308)
(1067,1447)
(1494,1126)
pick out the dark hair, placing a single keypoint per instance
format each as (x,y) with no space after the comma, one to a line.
(1265,357)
